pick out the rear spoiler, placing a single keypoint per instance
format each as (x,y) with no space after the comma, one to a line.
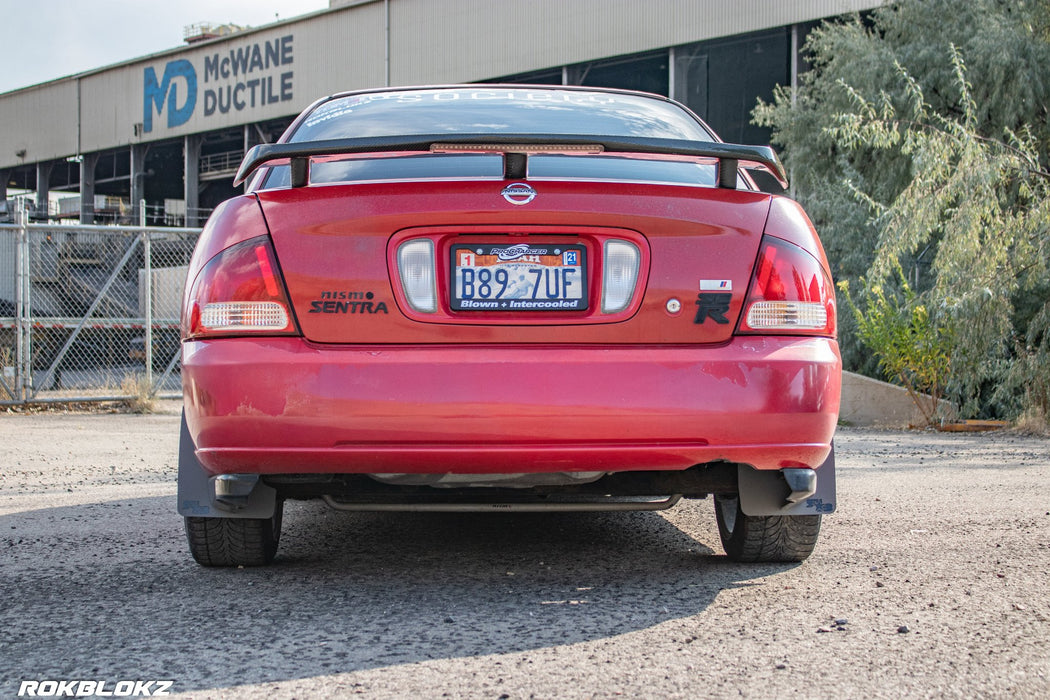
(515,149)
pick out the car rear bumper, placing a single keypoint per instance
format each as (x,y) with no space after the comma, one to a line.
(286,406)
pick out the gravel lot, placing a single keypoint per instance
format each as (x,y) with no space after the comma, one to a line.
(935,567)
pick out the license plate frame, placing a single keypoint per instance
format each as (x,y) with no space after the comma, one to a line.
(521,277)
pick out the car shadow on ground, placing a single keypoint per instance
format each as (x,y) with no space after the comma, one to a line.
(109,591)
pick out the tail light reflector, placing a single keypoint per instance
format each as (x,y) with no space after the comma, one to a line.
(239,292)
(244,316)
(790,293)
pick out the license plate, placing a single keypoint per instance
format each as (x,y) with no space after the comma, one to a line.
(519,277)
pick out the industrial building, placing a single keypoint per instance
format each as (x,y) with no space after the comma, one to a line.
(170,128)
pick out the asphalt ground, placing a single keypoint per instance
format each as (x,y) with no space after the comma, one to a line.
(930,581)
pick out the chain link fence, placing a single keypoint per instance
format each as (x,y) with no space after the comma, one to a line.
(90,313)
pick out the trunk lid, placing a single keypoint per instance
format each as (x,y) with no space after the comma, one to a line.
(337,246)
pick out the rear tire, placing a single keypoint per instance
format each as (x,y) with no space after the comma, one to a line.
(235,541)
(757,538)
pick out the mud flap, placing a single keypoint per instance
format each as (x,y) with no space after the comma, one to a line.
(766,492)
(242,495)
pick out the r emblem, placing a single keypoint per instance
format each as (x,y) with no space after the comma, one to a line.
(714,306)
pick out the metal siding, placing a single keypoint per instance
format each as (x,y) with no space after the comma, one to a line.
(105,118)
(41,120)
(341,51)
(344,48)
(467,40)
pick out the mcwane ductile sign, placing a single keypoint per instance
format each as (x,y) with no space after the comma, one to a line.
(235,78)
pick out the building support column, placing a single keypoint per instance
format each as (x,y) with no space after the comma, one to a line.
(191,178)
(138,176)
(87,188)
(43,188)
(251,131)
(672,87)
(253,136)
(794,63)
(264,136)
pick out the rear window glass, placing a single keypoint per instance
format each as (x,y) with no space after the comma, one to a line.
(432,166)
(497,111)
(439,166)
(613,168)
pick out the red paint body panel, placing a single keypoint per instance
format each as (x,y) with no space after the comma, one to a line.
(341,238)
(787,220)
(286,405)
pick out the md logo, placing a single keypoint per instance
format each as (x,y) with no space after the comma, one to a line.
(179,107)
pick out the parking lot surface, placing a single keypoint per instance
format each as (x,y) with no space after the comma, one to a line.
(930,581)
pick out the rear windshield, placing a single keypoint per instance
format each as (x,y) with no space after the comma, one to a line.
(498,111)
(529,111)
(442,166)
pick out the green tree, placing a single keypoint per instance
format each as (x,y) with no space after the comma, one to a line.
(911,346)
(907,157)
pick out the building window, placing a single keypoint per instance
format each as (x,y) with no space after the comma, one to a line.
(722,80)
(645,72)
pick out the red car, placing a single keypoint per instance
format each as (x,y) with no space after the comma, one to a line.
(507,297)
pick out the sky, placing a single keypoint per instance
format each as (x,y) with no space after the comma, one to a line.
(48,39)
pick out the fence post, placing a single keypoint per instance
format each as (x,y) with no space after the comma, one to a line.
(148,267)
(23,359)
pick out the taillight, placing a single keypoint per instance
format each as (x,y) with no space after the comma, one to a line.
(620,275)
(240,292)
(789,293)
(415,265)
